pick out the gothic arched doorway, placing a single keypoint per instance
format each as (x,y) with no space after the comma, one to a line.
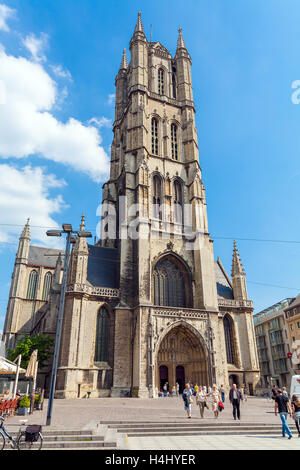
(182,353)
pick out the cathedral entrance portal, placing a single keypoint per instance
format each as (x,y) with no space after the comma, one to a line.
(183,355)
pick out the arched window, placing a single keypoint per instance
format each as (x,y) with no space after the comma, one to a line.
(228,332)
(32,285)
(154,133)
(177,202)
(156,191)
(161,82)
(170,284)
(174,141)
(102,336)
(174,82)
(47,286)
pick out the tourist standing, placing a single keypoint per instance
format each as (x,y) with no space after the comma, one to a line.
(201,400)
(222,391)
(187,398)
(235,398)
(215,398)
(245,393)
(296,412)
(282,406)
(177,389)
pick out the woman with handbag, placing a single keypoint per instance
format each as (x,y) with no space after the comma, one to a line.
(187,398)
(201,400)
(215,399)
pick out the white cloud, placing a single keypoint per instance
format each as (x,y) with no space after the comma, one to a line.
(5,13)
(28,126)
(111,98)
(100,122)
(24,192)
(36,46)
(60,72)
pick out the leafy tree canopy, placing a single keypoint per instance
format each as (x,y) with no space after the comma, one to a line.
(26,345)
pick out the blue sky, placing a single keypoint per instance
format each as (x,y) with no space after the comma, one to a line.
(59,58)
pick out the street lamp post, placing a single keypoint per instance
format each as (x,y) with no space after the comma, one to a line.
(67,228)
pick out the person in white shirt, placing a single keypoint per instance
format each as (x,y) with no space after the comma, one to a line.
(201,400)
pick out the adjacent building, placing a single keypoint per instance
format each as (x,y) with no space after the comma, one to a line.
(273,346)
(292,315)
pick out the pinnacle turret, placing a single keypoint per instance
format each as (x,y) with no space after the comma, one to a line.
(237,267)
(139,25)
(82,225)
(26,232)
(180,41)
(124,63)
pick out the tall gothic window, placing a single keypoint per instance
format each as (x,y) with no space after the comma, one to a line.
(174,82)
(169,284)
(227,322)
(161,82)
(154,132)
(174,141)
(102,336)
(156,200)
(177,202)
(47,286)
(32,285)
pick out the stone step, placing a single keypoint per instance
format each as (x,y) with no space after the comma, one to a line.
(203,433)
(78,444)
(192,425)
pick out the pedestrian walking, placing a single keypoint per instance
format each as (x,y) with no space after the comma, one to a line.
(235,398)
(201,400)
(222,391)
(215,399)
(296,411)
(284,392)
(177,389)
(282,406)
(187,398)
(245,393)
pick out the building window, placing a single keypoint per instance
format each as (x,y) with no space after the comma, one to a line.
(169,284)
(174,143)
(47,286)
(32,285)
(102,336)
(174,82)
(177,202)
(161,84)
(292,327)
(228,331)
(154,133)
(156,190)
(298,324)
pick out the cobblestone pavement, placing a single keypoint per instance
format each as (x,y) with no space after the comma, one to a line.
(214,443)
(77,413)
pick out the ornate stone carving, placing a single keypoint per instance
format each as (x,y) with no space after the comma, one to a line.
(91,290)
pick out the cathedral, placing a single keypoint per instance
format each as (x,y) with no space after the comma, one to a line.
(147,303)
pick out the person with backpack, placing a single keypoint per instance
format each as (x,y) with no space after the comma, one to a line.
(282,406)
(187,398)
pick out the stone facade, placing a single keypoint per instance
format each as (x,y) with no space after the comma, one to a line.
(148,303)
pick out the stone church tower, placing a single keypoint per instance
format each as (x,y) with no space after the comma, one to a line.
(147,304)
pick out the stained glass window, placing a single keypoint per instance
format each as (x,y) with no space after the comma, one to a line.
(47,285)
(32,285)
(102,336)
(228,339)
(154,132)
(169,284)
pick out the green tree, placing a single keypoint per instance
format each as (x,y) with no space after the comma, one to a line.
(26,345)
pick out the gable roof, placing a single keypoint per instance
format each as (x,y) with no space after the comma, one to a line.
(224,286)
(103,264)
(42,256)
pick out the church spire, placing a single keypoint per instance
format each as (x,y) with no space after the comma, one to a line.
(124,63)
(24,242)
(139,25)
(180,41)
